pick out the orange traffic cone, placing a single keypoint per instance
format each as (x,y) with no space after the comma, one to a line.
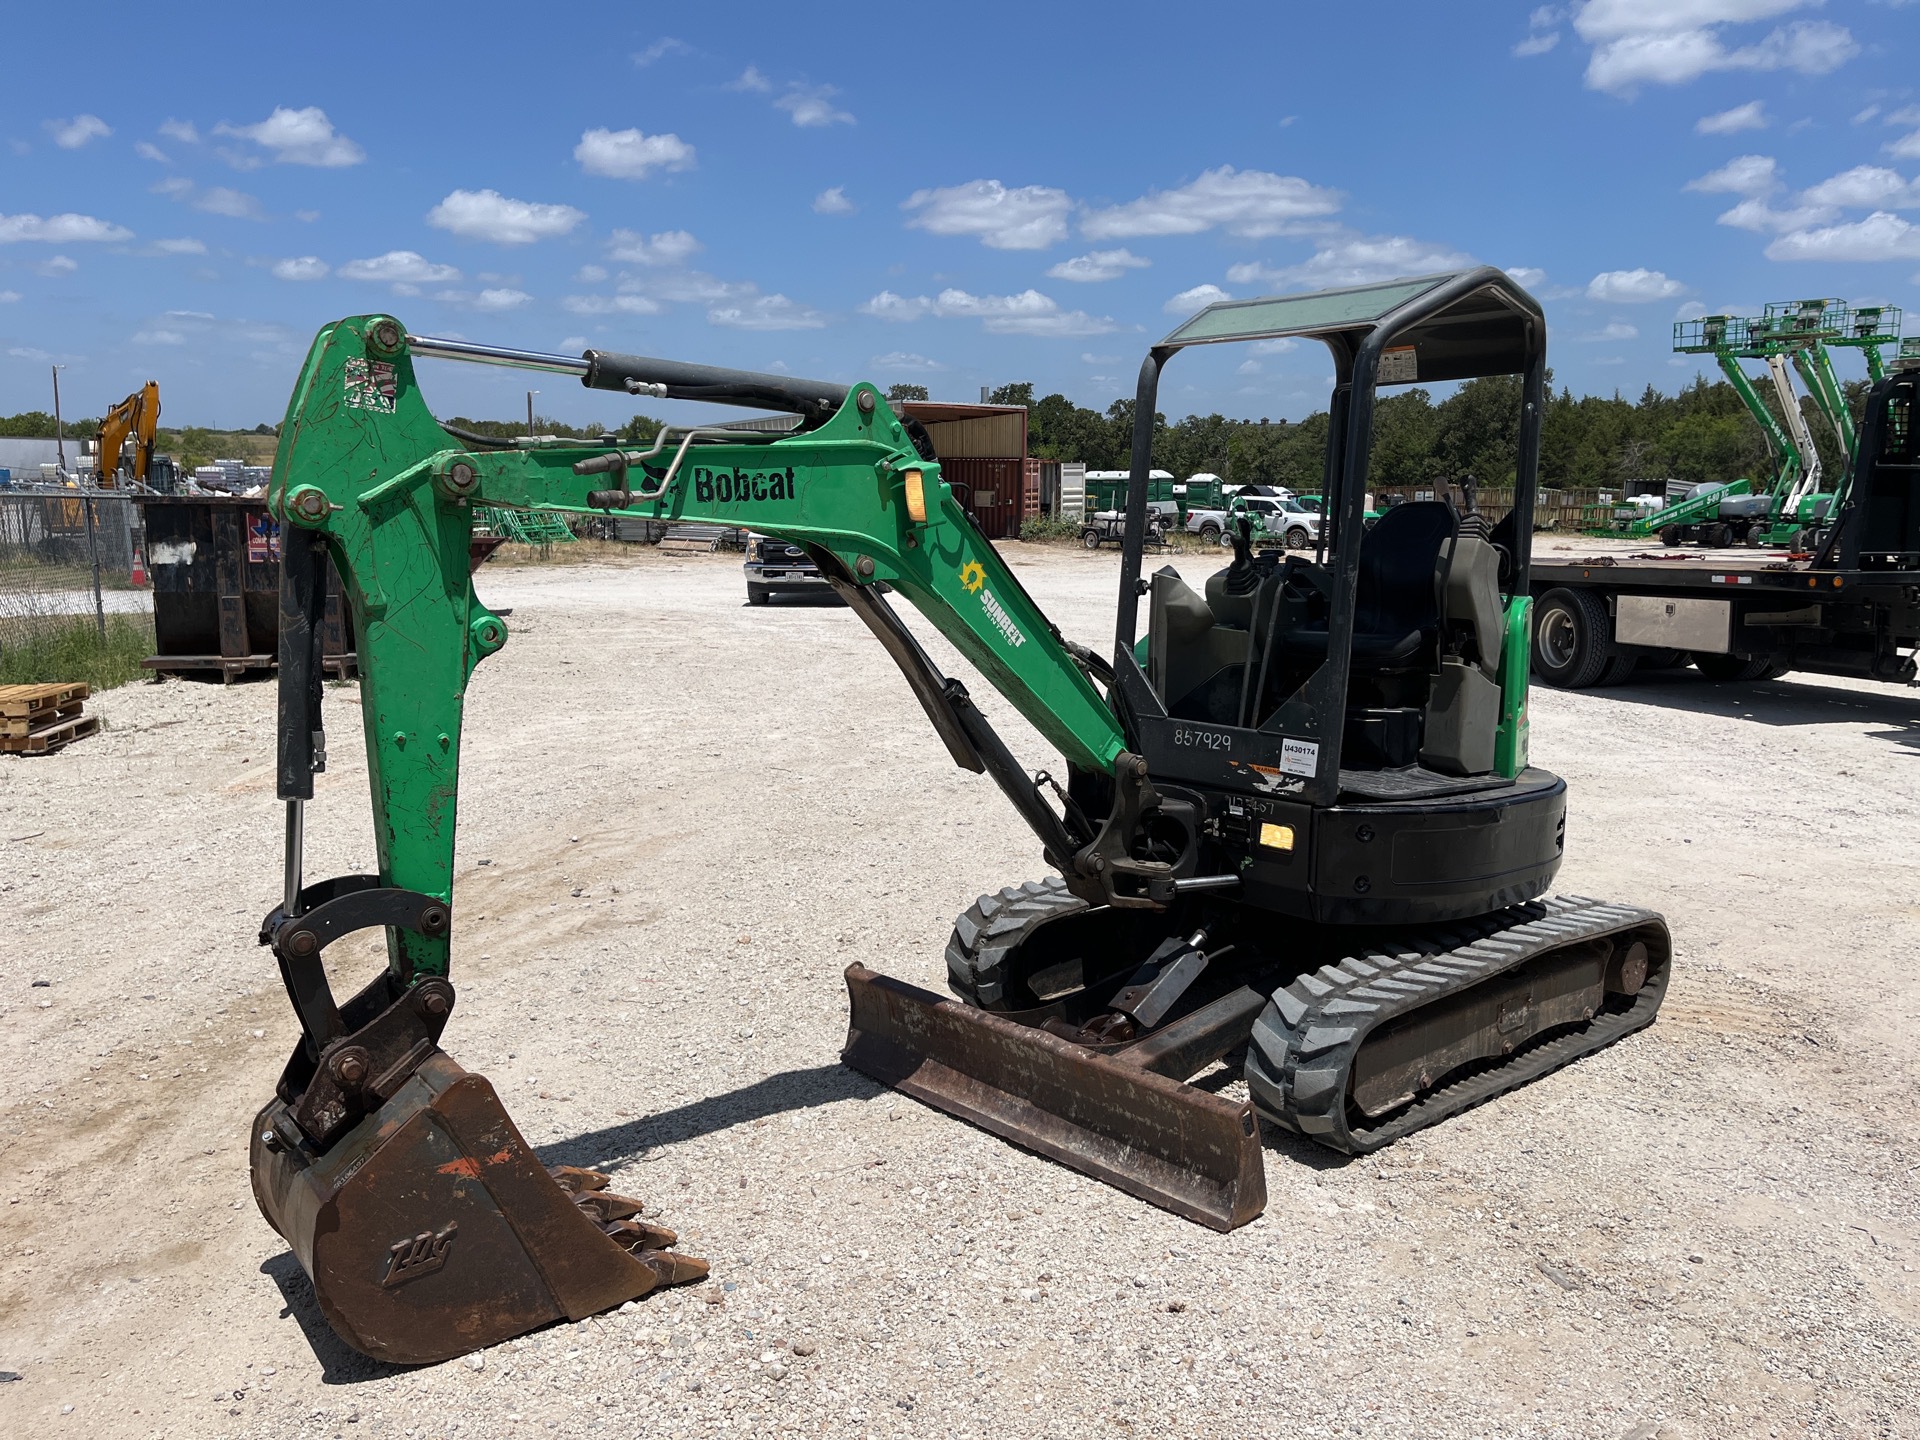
(139,576)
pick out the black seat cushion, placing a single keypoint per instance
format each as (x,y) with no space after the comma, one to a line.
(1396,612)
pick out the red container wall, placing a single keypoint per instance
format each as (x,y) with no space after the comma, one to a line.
(994,490)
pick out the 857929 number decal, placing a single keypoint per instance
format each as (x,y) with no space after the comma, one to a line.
(1203,739)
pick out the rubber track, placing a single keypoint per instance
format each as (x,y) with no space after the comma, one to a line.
(996,925)
(1304,1044)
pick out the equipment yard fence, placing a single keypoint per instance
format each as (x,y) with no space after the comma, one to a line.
(66,555)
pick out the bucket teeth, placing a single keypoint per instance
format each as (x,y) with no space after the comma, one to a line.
(639,1235)
(576,1181)
(604,1205)
(672,1267)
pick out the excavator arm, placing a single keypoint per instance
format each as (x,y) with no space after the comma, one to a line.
(139,416)
(378,1151)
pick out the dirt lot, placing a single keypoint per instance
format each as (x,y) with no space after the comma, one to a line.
(696,814)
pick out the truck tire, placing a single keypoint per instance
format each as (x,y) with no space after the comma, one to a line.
(1226,539)
(1090,538)
(1209,533)
(1298,538)
(1736,668)
(1621,667)
(1717,536)
(758,594)
(993,928)
(1671,535)
(1572,638)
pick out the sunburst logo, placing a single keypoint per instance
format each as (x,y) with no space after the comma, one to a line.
(973,576)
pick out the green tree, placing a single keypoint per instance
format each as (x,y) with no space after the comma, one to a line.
(1020,392)
(904,391)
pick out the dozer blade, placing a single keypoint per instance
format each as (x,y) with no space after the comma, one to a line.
(1169,1143)
(430,1229)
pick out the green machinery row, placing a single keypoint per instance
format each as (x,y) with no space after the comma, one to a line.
(1788,509)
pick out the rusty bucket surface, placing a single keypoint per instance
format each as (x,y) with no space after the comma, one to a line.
(431,1229)
(1166,1142)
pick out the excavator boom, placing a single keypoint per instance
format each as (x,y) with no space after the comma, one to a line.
(137,416)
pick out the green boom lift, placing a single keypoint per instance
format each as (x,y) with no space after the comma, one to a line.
(1293,821)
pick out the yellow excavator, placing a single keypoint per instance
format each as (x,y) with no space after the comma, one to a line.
(137,416)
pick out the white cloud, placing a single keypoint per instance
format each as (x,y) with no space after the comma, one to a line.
(1274,347)
(1906,115)
(1528,276)
(1881,236)
(301,267)
(399,267)
(65,229)
(1907,147)
(57,266)
(1354,260)
(682,287)
(1754,213)
(1537,44)
(590,274)
(896,360)
(1750,116)
(1098,265)
(1618,330)
(299,137)
(668,247)
(1198,298)
(1249,367)
(181,130)
(1742,175)
(234,204)
(1543,31)
(491,301)
(7,297)
(1248,203)
(1670,42)
(1028,313)
(631,155)
(147,150)
(489,215)
(767,312)
(751,80)
(666,45)
(610,305)
(573,342)
(1031,217)
(159,337)
(812,107)
(1865,187)
(1633,287)
(833,202)
(72,134)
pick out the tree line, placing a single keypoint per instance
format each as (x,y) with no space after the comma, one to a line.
(1703,433)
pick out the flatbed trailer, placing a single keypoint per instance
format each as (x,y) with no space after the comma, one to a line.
(1599,620)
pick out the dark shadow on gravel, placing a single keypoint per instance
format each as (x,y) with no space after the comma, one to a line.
(1775,702)
(776,1095)
(340,1363)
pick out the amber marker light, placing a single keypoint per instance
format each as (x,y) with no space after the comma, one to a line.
(916,495)
(1276,837)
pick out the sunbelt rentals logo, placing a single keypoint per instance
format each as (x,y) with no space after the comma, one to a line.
(973,579)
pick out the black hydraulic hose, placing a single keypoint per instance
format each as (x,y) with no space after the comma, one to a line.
(679,380)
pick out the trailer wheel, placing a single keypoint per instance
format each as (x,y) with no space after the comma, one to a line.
(1572,638)
(1090,538)
(1735,668)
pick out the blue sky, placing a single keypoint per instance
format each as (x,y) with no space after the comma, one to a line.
(952,195)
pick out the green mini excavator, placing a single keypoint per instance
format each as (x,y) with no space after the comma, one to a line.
(1292,832)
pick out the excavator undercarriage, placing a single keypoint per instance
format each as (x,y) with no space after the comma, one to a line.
(1297,842)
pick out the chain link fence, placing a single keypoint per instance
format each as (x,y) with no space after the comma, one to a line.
(67,557)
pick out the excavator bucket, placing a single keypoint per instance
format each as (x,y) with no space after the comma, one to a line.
(1110,1116)
(430,1229)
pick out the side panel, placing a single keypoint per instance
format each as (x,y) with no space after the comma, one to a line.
(1673,623)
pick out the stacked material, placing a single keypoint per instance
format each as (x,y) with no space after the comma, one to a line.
(38,719)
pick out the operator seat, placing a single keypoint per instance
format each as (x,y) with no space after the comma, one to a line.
(1396,604)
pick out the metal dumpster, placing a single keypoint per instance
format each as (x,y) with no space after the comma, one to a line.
(215,565)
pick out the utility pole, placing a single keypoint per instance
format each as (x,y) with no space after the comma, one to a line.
(530,395)
(59,430)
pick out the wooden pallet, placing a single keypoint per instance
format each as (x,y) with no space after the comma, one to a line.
(53,737)
(37,702)
(12,728)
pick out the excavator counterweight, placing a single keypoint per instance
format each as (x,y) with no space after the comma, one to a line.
(1295,839)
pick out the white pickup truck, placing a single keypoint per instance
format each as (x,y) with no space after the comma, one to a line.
(1280,517)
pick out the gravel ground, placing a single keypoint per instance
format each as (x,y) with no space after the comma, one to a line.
(684,817)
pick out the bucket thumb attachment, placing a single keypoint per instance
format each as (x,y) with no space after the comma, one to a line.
(1169,1143)
(431,1229)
